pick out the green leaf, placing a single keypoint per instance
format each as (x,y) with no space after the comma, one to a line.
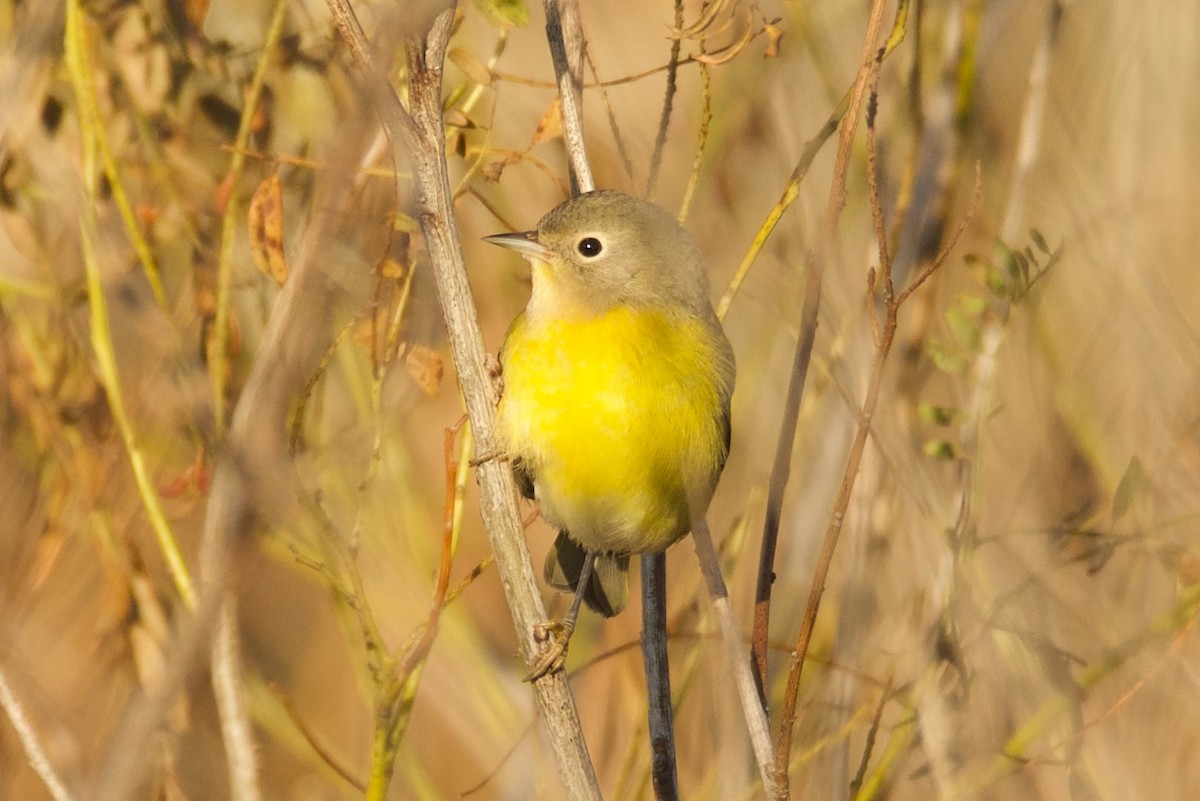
(404,223)
(940,449)
(1023,266)
(1132,483)
(946,360)
(504,14)
(1039,240)
(938,415)
(973,305)
(965,329)
(996,283)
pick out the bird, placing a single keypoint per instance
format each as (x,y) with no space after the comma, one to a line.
(616,380)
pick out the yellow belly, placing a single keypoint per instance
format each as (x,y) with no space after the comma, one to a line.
(621,419)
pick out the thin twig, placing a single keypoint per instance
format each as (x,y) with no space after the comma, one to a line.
(564,33)
(218,359)
(869,745)
(664,120)
(314,743)
(101,334)
(752,708)
(658,677)
(30,742)
(85,92)
(850,474)
(230,693)
(848,109)
(419,138)
(685,205)
(868,62)
(613,125)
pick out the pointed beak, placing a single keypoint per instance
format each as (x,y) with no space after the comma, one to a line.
(526,243)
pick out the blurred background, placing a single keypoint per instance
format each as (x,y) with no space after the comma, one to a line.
(1011,610)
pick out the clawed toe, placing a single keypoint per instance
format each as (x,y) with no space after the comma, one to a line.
(557,638)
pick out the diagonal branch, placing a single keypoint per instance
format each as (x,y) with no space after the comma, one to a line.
(418,137)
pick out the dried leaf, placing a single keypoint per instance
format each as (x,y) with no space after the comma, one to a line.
(425,367)
(197,474)
(266,229)
(492,171)
(393,269)
(222,193)
(48,550)
(550,126)
(774,36)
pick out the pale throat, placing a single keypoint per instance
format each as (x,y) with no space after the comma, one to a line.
(551,300)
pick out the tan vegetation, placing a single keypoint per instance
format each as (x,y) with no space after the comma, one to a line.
(1010,609)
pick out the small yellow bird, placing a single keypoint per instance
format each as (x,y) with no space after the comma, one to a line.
(617,382)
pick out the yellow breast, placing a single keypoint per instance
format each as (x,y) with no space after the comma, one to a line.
(621,418)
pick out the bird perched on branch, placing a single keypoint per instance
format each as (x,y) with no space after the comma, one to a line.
(617,384)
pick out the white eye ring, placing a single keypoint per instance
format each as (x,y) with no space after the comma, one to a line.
(589,247)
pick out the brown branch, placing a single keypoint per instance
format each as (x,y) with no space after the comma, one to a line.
(837,199)
(660,140)
(892,305)
(850,108)
(418,136)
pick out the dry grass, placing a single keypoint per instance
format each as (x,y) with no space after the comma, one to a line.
(1010,613)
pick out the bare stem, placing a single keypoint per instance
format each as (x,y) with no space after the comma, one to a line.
(30,742)
(419,138)
(752,708)
(564,33)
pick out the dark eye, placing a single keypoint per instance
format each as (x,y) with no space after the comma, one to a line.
(589,247)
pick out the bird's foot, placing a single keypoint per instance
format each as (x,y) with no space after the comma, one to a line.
(495,374)
(555,638)
(487,456)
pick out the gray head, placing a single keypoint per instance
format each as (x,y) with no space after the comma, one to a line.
(605,249)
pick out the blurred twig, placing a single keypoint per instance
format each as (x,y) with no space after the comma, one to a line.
(752,710)
(29,741)
(83,73)
(850,108)
(892,302)
(314,743)
(1179,617)
(218,357)
(101,335)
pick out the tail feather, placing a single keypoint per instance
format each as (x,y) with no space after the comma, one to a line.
(607,591)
